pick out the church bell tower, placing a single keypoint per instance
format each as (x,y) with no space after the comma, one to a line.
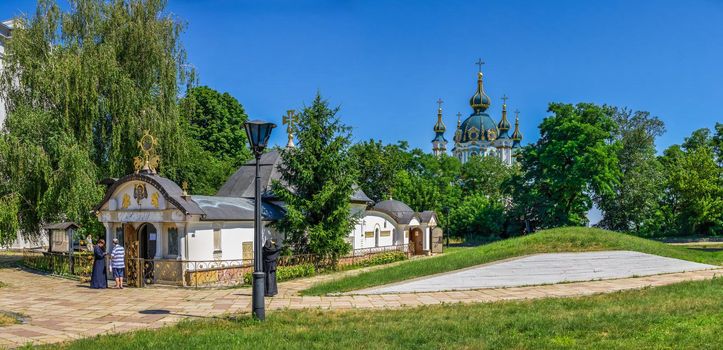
(439,143)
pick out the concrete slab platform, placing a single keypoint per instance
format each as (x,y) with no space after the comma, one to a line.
(545,269)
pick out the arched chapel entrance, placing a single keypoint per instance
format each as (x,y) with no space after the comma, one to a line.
(140,246)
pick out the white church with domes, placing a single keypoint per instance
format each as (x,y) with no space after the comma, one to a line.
(478,134)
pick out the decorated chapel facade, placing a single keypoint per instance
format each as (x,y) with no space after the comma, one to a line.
(479,134)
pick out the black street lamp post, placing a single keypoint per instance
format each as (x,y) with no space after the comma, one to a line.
(258,133)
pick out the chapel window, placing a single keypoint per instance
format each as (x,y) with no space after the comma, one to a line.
(172,241)
(119,235)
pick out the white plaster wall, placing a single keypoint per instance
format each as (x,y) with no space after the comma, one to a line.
(200,241)
(233,234)
(371,222)
(232,237)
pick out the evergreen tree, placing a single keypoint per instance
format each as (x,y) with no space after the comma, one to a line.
(320,174)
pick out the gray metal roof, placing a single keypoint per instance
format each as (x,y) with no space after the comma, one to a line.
(393,205)
(399,211)
(359,196)
(426,216)
(169,189)
(241,183)
(235,209)
(61,226)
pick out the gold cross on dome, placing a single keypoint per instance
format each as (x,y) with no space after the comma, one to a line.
(480,63)
(439,102)
(290,119)
(504,99)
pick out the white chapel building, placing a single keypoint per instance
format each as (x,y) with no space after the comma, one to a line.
(157,220)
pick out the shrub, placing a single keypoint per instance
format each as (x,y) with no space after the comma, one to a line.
(285,273)
(380,259)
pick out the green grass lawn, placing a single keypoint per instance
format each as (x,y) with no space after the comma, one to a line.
(568,239)
(682,316)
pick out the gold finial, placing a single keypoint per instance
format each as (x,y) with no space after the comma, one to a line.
(290,120)
(439,126)
(149,160)
(517,134)
(184,187)
(504,124)
(459,119)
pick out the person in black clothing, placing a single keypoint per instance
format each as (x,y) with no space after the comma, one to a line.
(271,253)
(99,277)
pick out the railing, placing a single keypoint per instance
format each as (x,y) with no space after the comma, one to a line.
(79,264)
(196,273)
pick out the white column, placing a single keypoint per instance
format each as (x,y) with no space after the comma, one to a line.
(108,236)
(159,242)
(425,241)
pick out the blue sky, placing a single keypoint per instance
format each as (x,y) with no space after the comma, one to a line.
(387,62)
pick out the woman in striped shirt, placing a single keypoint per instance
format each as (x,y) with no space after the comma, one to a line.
(118,257)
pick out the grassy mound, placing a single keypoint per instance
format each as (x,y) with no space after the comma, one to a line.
(567,239)
(680,316)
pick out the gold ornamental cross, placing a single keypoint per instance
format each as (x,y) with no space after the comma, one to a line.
(291,119)
(149,159)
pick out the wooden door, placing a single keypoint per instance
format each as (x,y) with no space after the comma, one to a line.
(417,241)
(132,246)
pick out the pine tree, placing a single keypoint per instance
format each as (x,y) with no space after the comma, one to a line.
(320,174)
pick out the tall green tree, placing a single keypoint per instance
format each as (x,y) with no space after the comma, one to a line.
(377,166)
(574,159)
(217,124)
(429,183)
(693,201)
(718,143)
(633,206)
(477,215)
(320,174)
(217,137)
(81,85)
(485,175)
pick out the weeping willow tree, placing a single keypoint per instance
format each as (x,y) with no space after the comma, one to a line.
(81,85)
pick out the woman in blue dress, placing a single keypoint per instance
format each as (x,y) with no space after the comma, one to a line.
(99,278)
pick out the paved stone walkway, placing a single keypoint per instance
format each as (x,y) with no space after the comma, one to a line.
(542,269)
(62,310)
